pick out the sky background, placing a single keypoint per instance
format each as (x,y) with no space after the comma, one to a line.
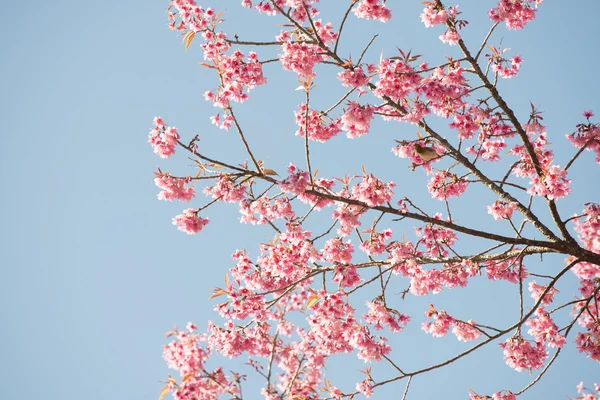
(93,271)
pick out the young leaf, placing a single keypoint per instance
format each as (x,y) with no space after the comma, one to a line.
(312,300)
(188,38)
(163,392)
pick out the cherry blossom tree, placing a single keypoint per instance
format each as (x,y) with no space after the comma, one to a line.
(302,301)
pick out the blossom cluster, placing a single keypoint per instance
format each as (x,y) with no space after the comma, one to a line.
(357,119)
(315,124)
(163,138)
(515,13)
(442,322)
(174,188)
(373,191)
(588,135)
(521,354)
(189,222)
(373,9)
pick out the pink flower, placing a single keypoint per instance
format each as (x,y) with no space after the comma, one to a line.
(520,354)
(174,188)
(375,244)
(516,13)
(266,210)
(445,184)
(537,290)
(372,191)
(441,323)
(189,222)
(465,125)
(379,315)
(348,217)
(510,269)
(545,330)
(226,190)
(432,16)
(590,395)
(396,79)
(300,58)
(185,354)
(372,9)
(445,89)
(346,275)
(507,396)
(587,135)
(357,120)
(321,185)
(501,210)
(553,184)
(436,239)
(466,332)
(450,37)
(365,388)
(318,129)
(508,72)
(336,251)
(354,77)
(296,182)
(163,139)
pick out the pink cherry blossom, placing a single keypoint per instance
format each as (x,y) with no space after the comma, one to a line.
(516,13)
(300,58)
(510,71)
(297,181)
(537,291)
(372,191)
(466,332)
(348,217)
(319,129)
(380,315)
(506,396)
(587,394)
(337,251)
(444,184)
(587,135)
(354,77)
(375,243)
(511,269)
(373,9)
(553,185)
(357,120)
(163,139)
(174,188)
(587,231)
(226,190)
(321,185)
(436,239)
(189,222)
(432,16)
(543,328)
(266,210)
(502,210)
(521,354)
(441,324)
(365,388)
(396,79)
(450,37)
(346,275)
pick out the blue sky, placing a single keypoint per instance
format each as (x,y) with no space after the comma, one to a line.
(94,273)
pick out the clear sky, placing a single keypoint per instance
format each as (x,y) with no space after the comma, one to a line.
(93,272)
